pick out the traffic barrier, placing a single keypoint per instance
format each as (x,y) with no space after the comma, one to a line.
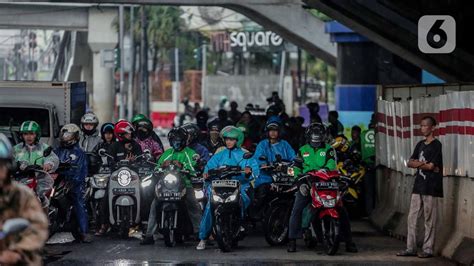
(398,131)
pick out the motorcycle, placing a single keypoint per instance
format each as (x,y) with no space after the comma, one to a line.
(61,214)
(352,197)
(28,175)
(326,189)
(170,192)
(278,211)
(227,205)
(96,189)
(124,194)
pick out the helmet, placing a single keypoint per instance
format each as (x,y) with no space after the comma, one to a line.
(138,117)
(273,123)
(231,132)
(202,117)
(340,143)
(6,150)
(89,118)
(316,135)
(69,135)
(192,130)
(31,126)
(121,128)
(177,138)
(106,128)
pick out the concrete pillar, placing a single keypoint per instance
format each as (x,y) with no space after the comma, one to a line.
(102,36)
(361,65)
(103,93)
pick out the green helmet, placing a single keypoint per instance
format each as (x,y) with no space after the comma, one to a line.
(232,132)
(31,126)
(138,117)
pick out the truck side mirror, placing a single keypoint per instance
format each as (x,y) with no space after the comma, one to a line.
(102,152)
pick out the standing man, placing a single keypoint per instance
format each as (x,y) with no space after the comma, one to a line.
(428,160)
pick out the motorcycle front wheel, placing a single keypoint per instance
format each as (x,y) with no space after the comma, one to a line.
(276,226)
(224,233)
(331,234)
(124,227)
(168,231)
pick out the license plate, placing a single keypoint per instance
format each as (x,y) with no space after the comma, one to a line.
(225,183)
(123,190)
(327,185)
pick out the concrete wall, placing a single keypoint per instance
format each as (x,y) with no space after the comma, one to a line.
(455,225)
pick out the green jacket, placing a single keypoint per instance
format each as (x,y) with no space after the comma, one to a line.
(316,159)
(23,153)
(185,157)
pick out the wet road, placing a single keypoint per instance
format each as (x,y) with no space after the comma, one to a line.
(374,249)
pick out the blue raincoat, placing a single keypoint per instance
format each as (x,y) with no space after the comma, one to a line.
(265,148)
(77,176)
(228,157)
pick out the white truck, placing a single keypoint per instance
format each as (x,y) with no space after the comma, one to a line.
(51,104)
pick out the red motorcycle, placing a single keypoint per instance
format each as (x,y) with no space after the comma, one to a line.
(326,189)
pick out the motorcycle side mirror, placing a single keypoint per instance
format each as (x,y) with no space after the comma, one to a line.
(147,152)
(248,155)
(298,161)
(102,152)
(262,158)
(278,158)
(196,157)
(14,226)
(47,152)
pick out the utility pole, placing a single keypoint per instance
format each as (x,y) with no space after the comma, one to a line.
(144,62)
(203,75)
(122,64)
(282,73)
(176,76)
(131,73)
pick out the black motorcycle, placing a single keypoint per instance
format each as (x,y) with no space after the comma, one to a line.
(226,205)
(61,214)
(172,214)
(281,197)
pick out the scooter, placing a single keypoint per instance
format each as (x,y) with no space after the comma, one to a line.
(226,205)
(124,195)
(96,190)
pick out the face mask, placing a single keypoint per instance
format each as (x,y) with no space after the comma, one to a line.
(176,144)
(142,134)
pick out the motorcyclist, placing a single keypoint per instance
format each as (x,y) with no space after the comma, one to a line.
(108,138)
(89,136)
(231,155)
(29,151)
(146,137)
(17,201)
(192,130)
(316,155)
(125,148)
(215,141)
(201,121)
(184,156)
(269,148)
(69,151)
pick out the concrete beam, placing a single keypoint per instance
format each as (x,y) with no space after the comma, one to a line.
(15,16)
(285,17)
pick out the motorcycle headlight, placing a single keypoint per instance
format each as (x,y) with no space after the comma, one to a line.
(170,179)
(328,202)
(199,194)
(100,180)
(124,178)
(216,198)
(146,181)
(231,198)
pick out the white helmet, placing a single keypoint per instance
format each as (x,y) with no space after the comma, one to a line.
(89,118)
(69,135)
